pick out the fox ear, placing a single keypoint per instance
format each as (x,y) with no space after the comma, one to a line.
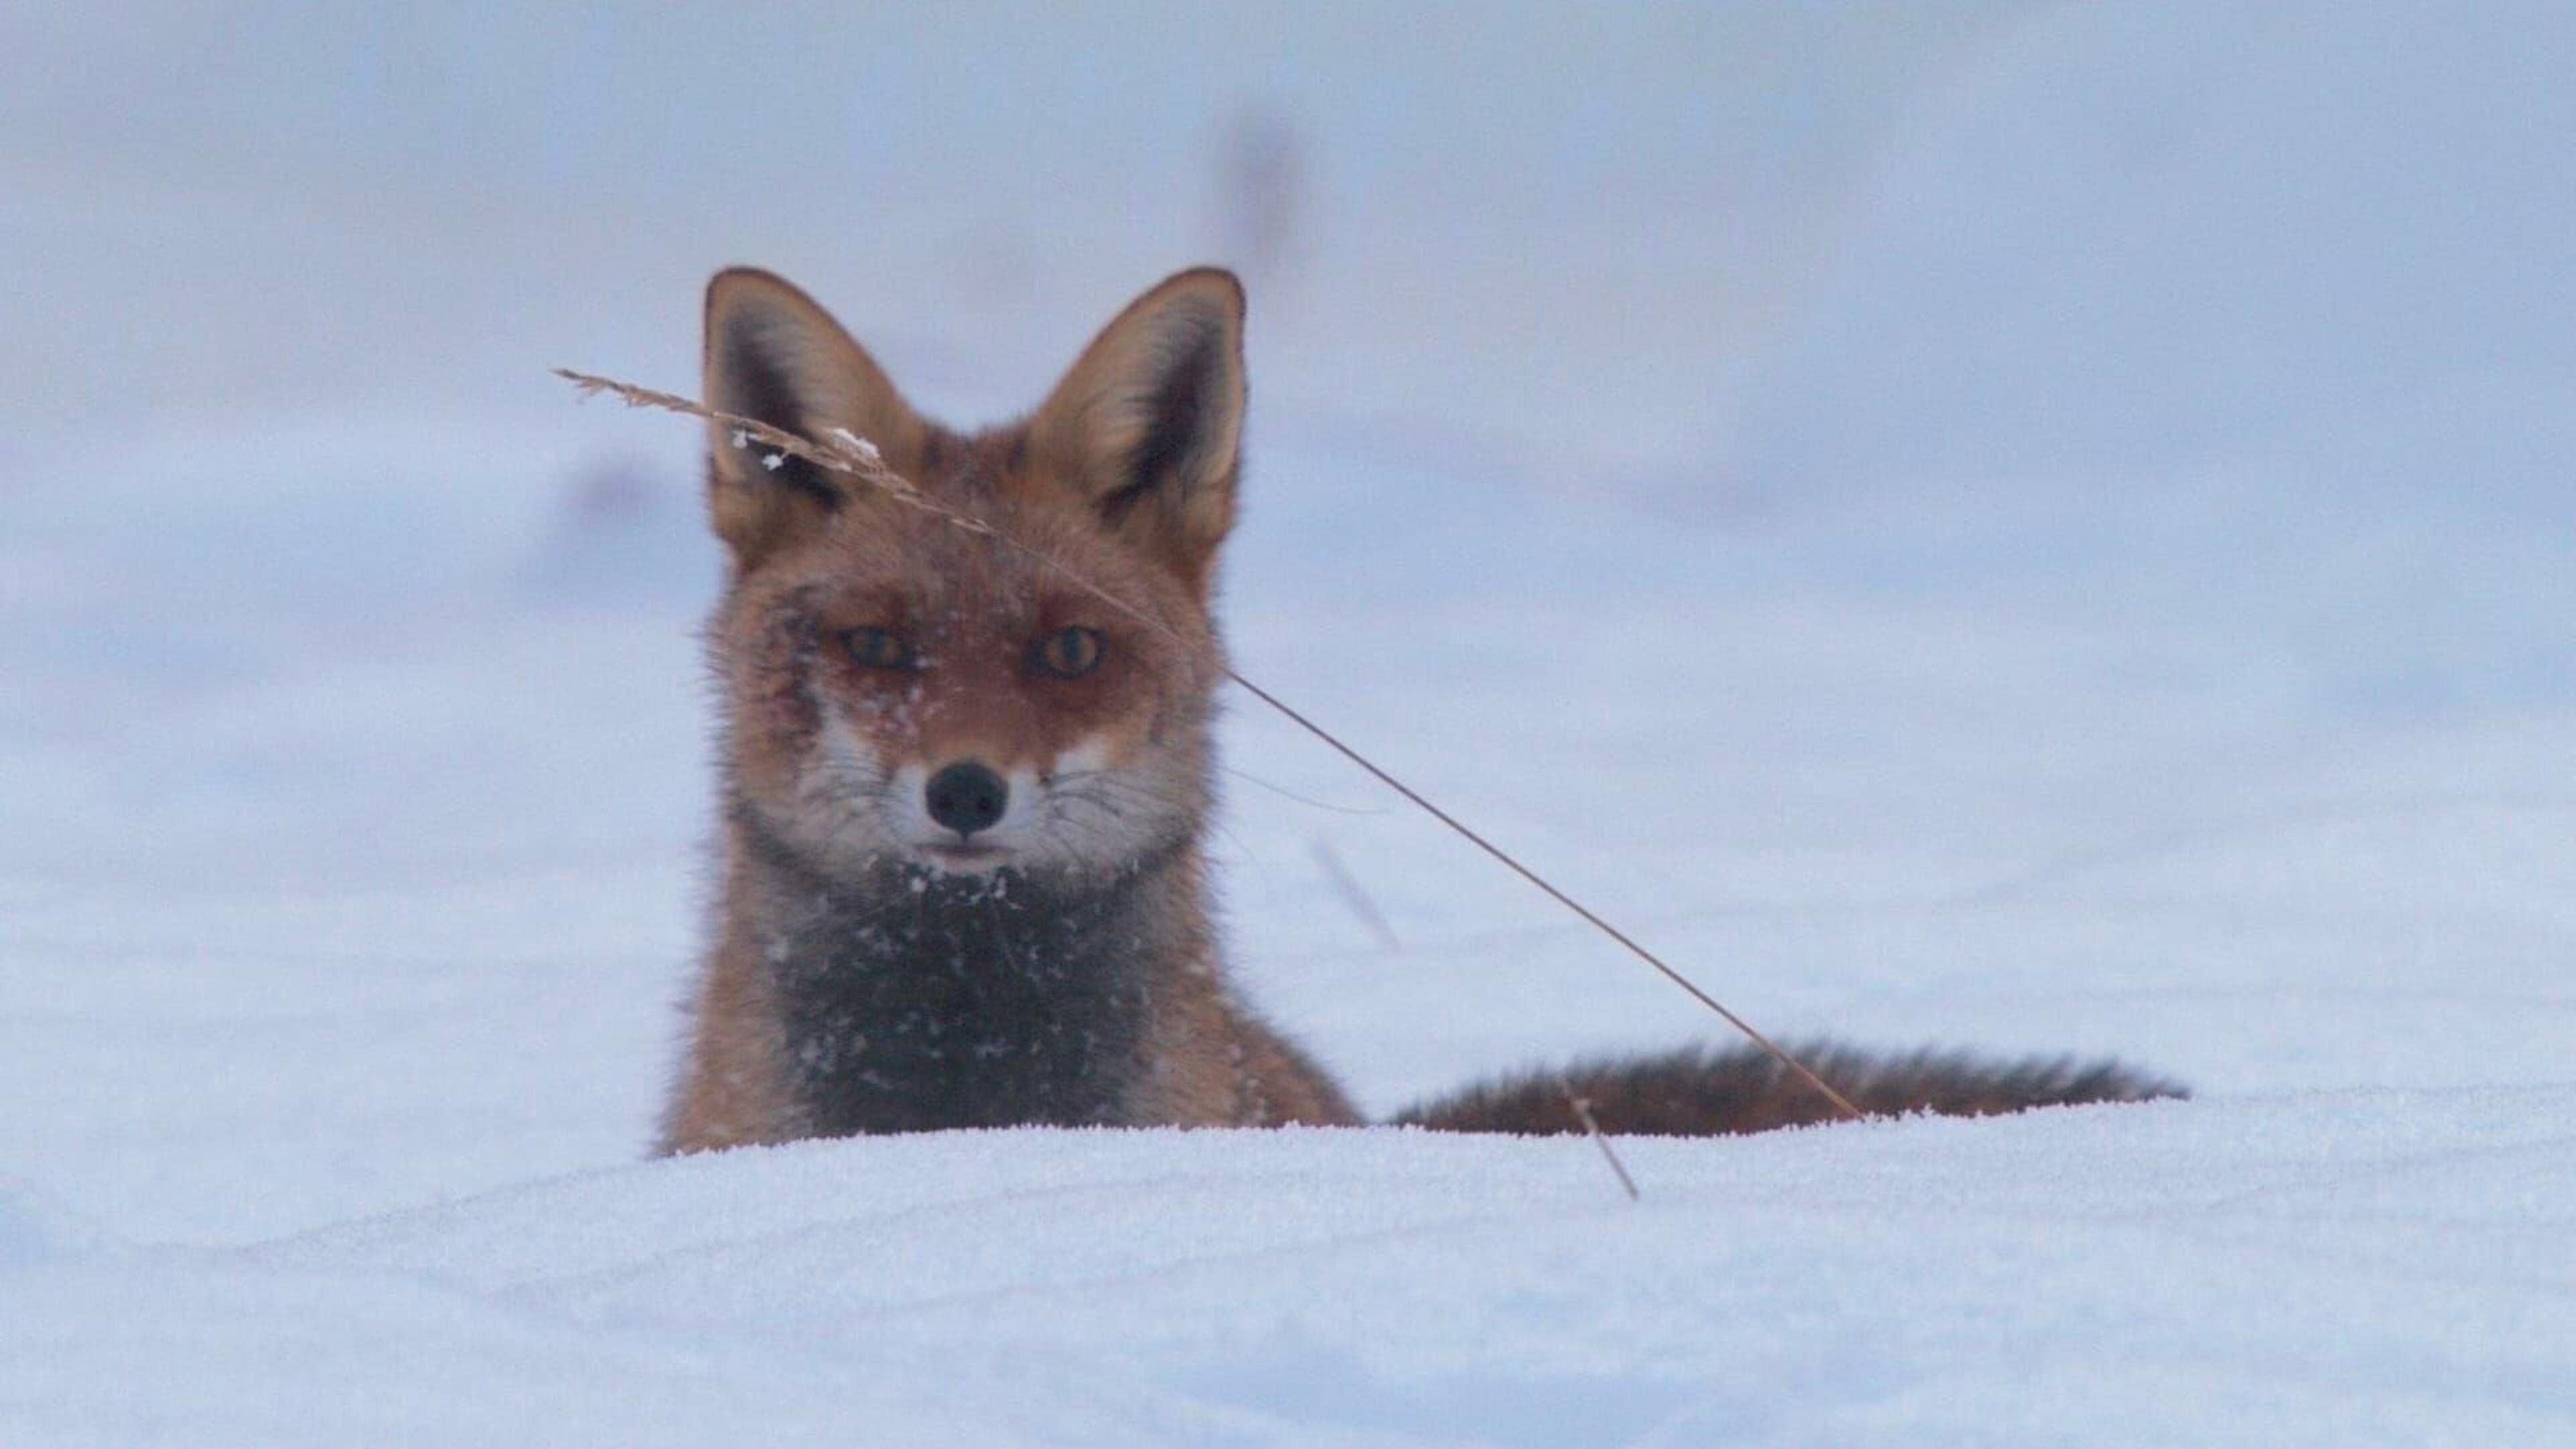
(774,355)
(1147,424)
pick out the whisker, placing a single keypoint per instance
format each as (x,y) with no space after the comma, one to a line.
(1286,793)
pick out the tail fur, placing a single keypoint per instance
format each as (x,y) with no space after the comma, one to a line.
(1704,1092)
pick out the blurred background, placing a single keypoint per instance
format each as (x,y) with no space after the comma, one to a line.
(2025,525)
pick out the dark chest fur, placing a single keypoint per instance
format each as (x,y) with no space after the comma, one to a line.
(916,1001)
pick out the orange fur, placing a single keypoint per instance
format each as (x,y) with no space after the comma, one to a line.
(1031,943)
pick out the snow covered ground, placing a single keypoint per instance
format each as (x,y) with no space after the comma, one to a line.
(2024,527)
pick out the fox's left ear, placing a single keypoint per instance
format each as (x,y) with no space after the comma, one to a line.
(1148,423)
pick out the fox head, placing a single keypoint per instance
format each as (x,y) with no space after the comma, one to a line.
(902,692)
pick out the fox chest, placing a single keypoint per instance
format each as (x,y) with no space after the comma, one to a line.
(924,1014)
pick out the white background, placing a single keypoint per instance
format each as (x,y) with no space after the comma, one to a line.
(2031,528)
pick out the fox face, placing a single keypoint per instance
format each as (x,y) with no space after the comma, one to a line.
(902,693)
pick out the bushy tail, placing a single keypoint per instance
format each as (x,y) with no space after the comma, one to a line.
(1703,1092)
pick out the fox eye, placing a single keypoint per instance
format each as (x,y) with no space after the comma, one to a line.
(1070,653)
(877,648)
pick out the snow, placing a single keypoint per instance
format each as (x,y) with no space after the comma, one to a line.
(2039,528)
(2363,1265)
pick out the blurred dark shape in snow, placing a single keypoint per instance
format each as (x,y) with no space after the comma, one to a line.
(625,532)
(1262,199)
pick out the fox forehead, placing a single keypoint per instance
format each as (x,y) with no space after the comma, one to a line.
(1039,566)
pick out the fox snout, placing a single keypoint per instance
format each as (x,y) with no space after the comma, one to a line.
(966,797)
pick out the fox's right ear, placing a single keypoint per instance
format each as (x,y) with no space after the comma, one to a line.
(773,354)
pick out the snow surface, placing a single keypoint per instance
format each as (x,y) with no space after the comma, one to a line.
(2030,528)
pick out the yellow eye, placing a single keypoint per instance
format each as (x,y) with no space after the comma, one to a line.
(877,648)
(1070,653)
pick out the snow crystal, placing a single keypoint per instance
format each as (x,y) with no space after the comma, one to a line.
(857,444)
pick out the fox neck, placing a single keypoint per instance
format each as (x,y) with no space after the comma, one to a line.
(913,1000)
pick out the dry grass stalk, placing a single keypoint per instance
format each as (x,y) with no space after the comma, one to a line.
(1582,1106)
(1354,896)
(854,457)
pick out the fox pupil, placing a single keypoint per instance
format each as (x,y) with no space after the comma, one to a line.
(876,648)
(1070,653)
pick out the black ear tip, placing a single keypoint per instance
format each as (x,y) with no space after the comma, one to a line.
(731,282)
(1215,285)
(736,288)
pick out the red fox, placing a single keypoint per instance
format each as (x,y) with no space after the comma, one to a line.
(963,801)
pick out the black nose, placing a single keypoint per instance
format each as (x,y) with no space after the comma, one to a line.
(966,797)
